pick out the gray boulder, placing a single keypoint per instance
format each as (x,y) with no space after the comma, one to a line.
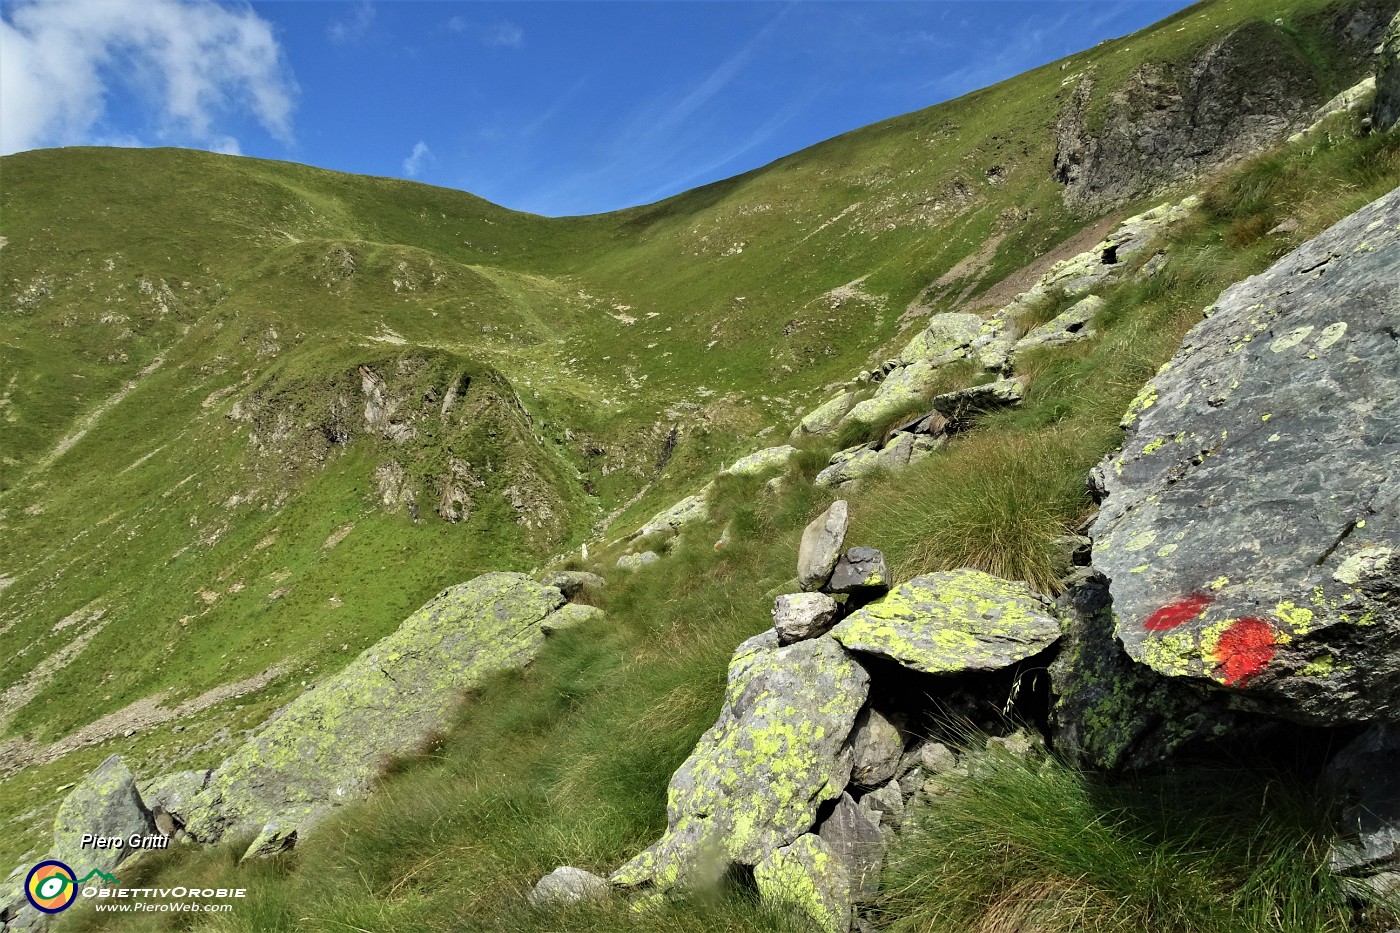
(856,463)
(1251,523)
(637,561)
(855,839)
(808,876)
(799,616)
(860,570)
(947,337)
(105,803)
(960,407)
(886,806)
(1070,326)
(572,582)
(1385,111)
(567,885)
(947,623)
(825,418)
(755,464)
(670,521)
(876,747)
(327,746)
(568,616)
(901,388)
(821,546)
(1364,778)
(757,778)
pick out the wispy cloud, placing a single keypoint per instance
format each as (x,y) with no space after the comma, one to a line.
(501,33)
(352,29)
(419,158)
(193,61)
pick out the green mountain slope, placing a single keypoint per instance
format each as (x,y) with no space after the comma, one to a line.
(253,413)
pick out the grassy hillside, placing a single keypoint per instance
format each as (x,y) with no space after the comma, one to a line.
(253,413)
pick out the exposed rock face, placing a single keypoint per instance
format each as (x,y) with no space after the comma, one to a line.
(669,521)
(947,337)
(960,407)
(770,458)
(1386,110)
(1111,712)
(326,747)
(945,623)
(756,778)
(1251,524)
(637,561)
(567,885)
(1166,123)
(901,389)
(807,875)
(1070,326)
(821,546)
(799,616)
(105,803)
(175,793)
(824,418)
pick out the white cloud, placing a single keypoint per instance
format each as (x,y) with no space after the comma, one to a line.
(193,60)
(353,30)
(417,159)
(500,34)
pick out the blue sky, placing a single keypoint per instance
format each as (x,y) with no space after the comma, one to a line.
(550,107)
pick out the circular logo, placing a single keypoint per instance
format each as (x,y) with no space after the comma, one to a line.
(51,886)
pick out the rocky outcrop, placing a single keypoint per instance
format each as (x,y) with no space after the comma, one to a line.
(1385,111)
(825,417)
(1171,121)
(105,803)
(756,464)
(757,778)
(943,623)
(1251,525)
(689,510)
(327,746)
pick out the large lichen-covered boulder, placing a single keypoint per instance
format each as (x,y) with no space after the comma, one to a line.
(326,747)
(669,521)
(947,623)
(1251,523)
(824,418)
(948,337)
(901,389)
(809,876)
(755,464)
(105,803)
(1385,111)
(758,776)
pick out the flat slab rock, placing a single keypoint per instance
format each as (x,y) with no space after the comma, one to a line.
(1251,523)
(758,776)
(326,747)
(947,623)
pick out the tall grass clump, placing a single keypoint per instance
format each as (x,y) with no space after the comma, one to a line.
(994,501)
(1034,845)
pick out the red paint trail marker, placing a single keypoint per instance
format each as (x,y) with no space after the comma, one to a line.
(1177,613)
(1244,650)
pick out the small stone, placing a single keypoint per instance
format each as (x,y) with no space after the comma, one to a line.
(1019,744)
(855,839)
(821,546)
(799,616)
(888,802)
(877,746)
(567,885)
(937,758)
(861,569)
